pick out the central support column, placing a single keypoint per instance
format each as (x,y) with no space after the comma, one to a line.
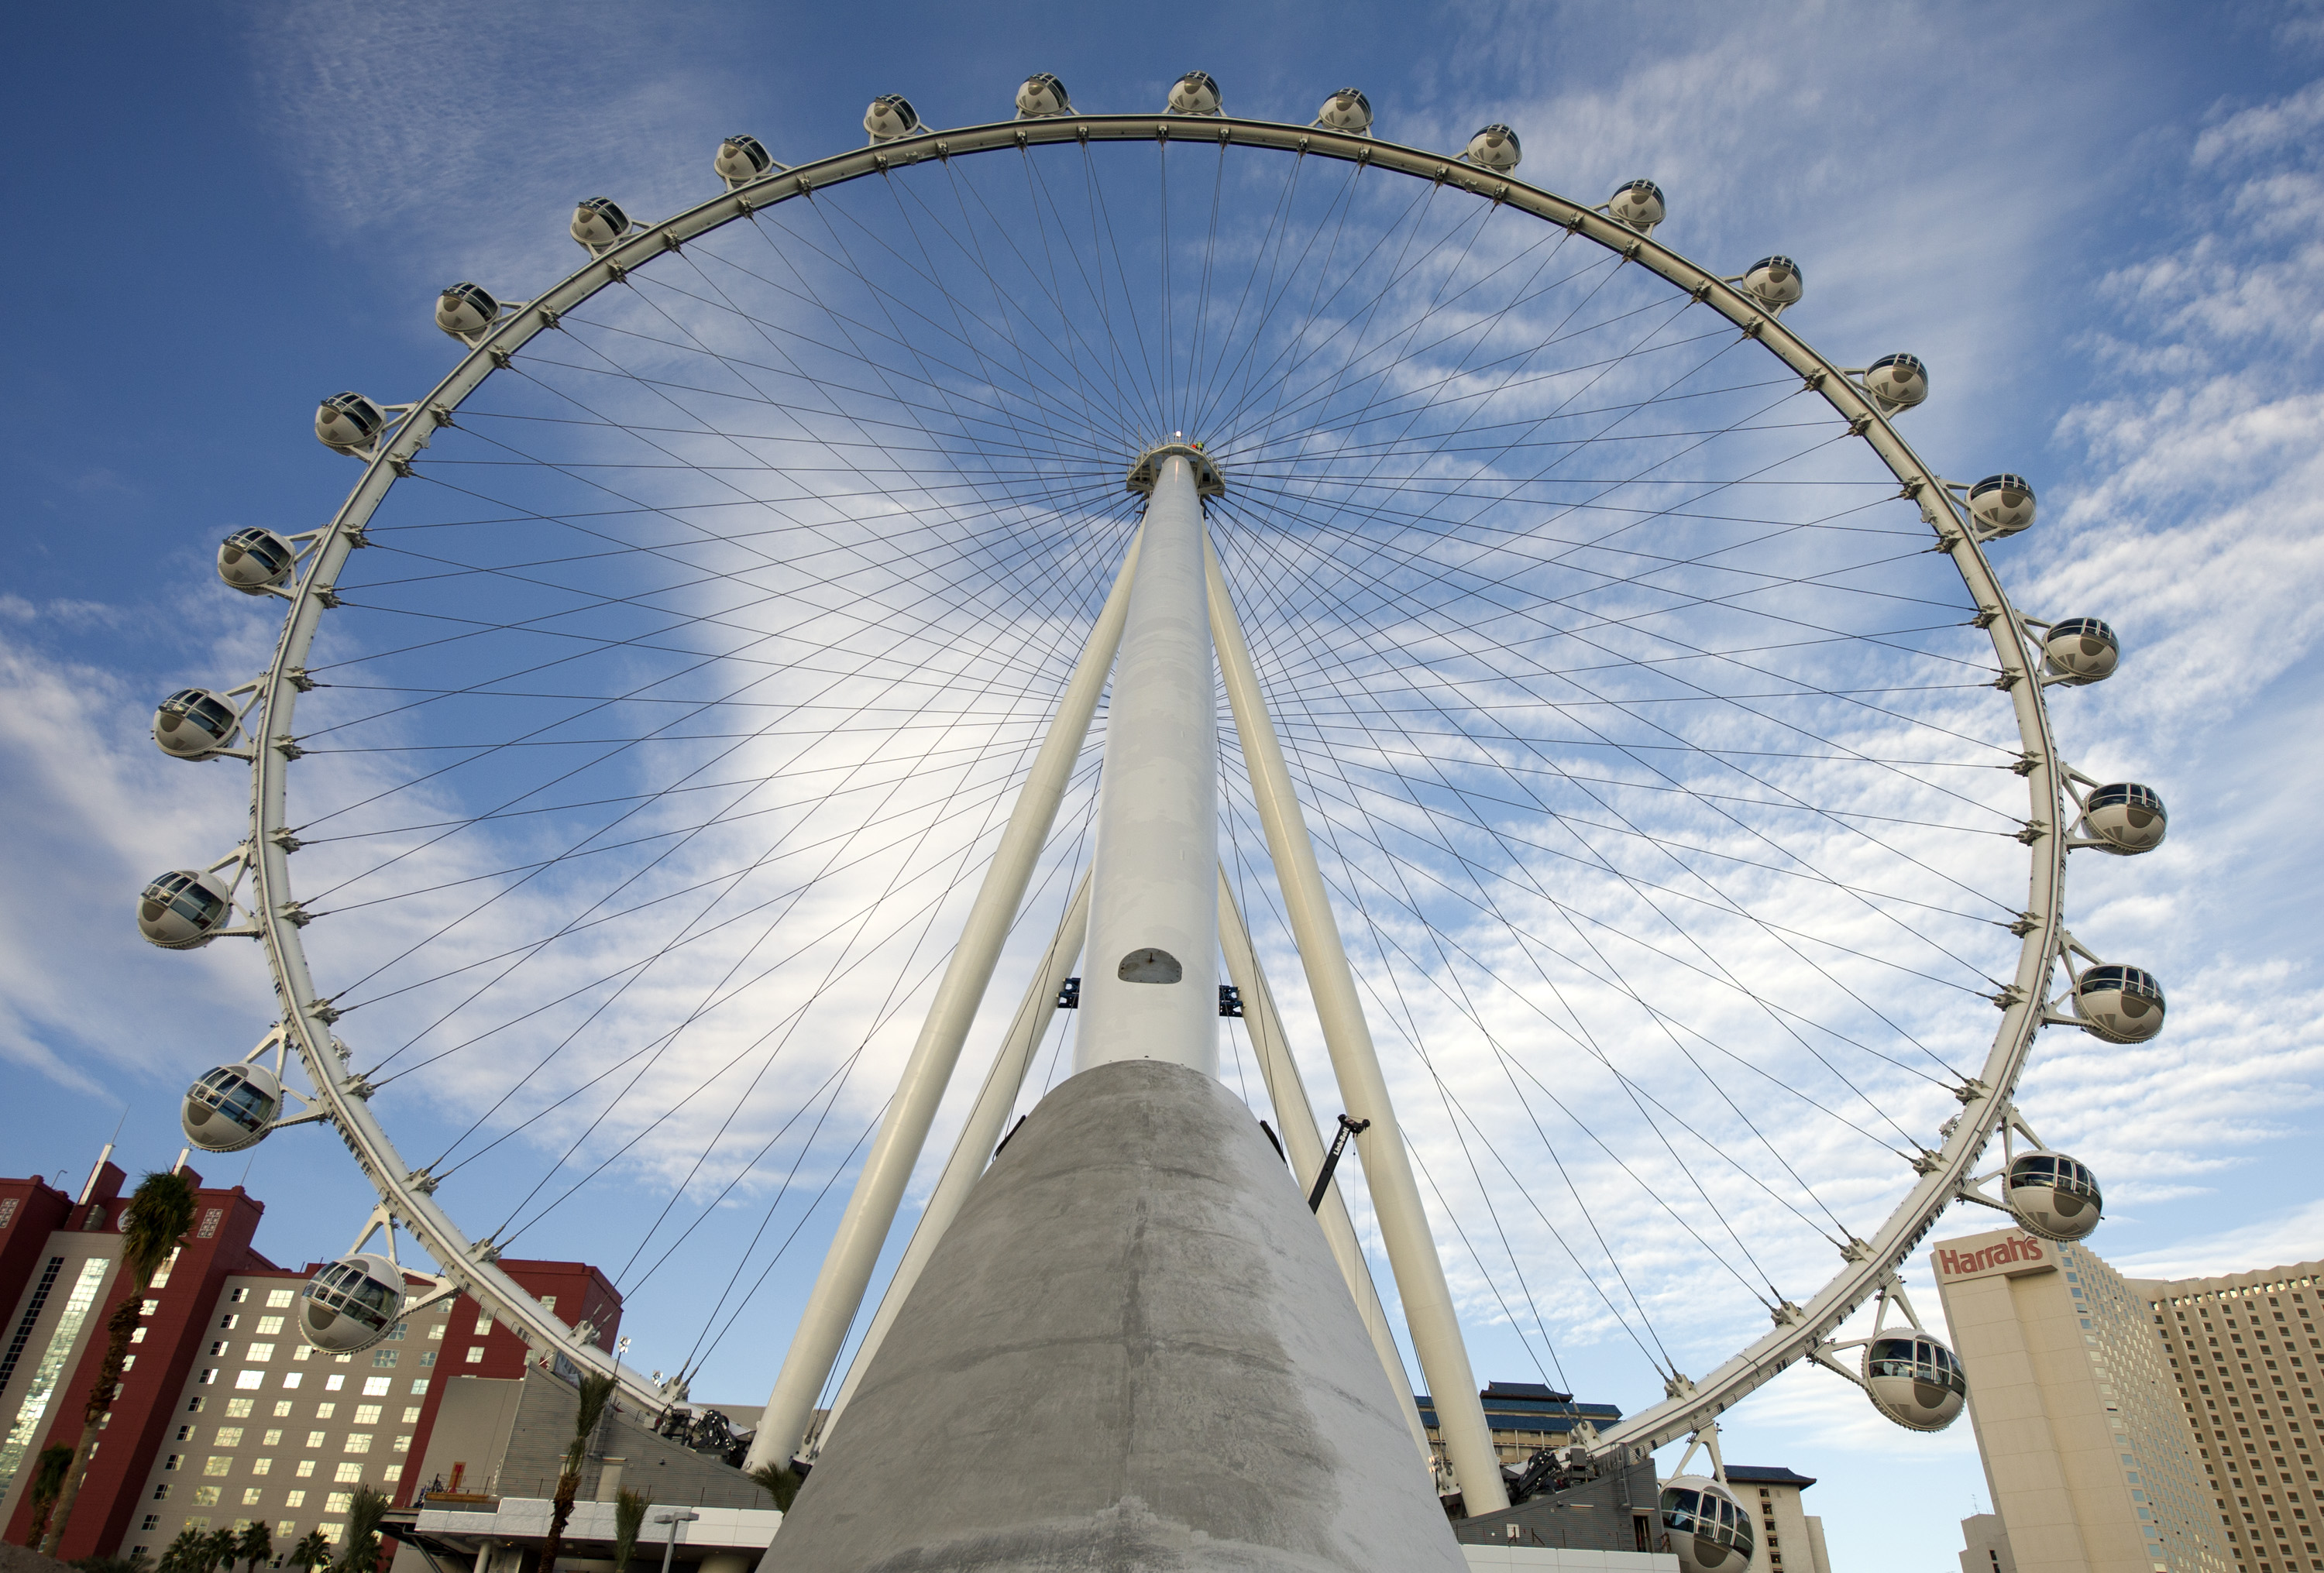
(1149,989)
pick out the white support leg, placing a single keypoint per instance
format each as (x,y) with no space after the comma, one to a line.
(1288,1094)
(978,1138)
(1150,991)
(903,1130)
(1388,1168)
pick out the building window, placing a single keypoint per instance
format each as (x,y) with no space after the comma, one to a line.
(306,1468)
(334,1382)
(477,1355)
(229,1435)
(325,1411)
(290,1378)
(206,1495)
(170,1462)
(338,1501)
(262,1466)
(268,1325)
(418,1386)
(391,1474)
(237,1409)
(162,1492)
(277,1298)
(259,1352)
(347,1475)
(358,1442)
(383,1359)
(226,1322)
(286,1529)
(549,1303)
(428,1358)
(218,1463)
(375,1386)
(313,1439)
(152,1521)
(403,1444)
(245,1380)
(194,1404)
(366,1414)
(484,1322)
(435,1330)
(295,1499)
(250,1495)
(411,1415)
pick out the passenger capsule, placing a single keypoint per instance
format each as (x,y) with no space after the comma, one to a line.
(1914,1380)
(465,309)
(1346,110)
(1774,282)
(183,910)
(892,115)
(1639,205)
(254,560)
(1896,382)
(1041,96)
(348,423)
(2002,504)
(351,1303)
(2127,817)
(1704,1527)
(1495,148)
(2081,649)
(230,1107)
(741,159)
(598,222)
(2121,1005)
(2054,1196)
(194,723)
(1196,93)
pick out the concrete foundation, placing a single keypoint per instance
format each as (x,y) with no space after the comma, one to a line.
(1132,1352)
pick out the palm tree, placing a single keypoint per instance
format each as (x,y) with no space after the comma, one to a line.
(359,1547)
(47,1479)
(220,1546)
(629,1518)
(160,1211)
(135,1562)
(184,1554)
(255,1545)
(596,1391)
(312,1551)
(779,1481)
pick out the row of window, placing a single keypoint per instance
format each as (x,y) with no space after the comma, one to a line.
(254,1495)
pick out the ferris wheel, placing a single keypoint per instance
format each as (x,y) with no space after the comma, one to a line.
(1633,780)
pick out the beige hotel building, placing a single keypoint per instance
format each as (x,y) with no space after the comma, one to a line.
(2138,1426)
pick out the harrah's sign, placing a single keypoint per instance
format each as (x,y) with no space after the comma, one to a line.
(2009,1254)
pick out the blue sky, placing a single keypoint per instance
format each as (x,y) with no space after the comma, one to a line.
(2103,227)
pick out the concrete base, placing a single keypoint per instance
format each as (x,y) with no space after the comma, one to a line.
(1132,1352)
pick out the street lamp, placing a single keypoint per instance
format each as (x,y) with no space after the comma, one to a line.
(673,1518)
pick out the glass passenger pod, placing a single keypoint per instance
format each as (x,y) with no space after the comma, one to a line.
(2127,817)
(183,910)
(465,309)
(2123,1005)
(1196,93)
(1638,204)
(1705,1528)
(1346,110)
(254,560)
(2054,1196)
(1897,382)
(1915,1381)
(1495,148)
(1774,282)
(1042,96)
(230,1107)
(348,422)
(2081,649)
(743,158)
(351,1303)
(2002,504)
(194,723)
(598,222)
(890,116)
